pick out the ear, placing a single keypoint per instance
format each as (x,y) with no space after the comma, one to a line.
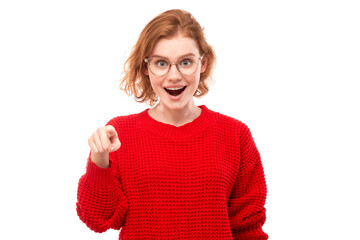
(203,64)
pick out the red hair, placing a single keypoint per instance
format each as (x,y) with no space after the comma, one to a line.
(166,25)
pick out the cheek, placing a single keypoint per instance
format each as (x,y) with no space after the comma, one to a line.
(194,82)
(196,79)
(155,82)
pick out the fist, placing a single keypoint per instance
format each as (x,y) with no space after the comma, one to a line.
(102,141)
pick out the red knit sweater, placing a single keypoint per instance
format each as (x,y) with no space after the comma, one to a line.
(202,180)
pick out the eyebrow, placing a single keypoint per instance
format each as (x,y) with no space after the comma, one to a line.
(185,55)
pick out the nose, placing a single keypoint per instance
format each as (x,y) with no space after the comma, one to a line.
(174,73)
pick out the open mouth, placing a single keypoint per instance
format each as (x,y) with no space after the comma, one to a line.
(175,91)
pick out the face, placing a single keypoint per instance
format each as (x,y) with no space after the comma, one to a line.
(174,89)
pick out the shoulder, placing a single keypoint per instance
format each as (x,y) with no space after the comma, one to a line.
(125,122)
(234,129)
(229,123)
(125,119)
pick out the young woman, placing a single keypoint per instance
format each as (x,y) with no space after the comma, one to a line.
(177,170)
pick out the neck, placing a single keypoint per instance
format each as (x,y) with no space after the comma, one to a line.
(176,117)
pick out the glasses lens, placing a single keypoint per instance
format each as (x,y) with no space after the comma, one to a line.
(160,66)
(188,65)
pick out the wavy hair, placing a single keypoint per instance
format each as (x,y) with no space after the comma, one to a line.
(166,25)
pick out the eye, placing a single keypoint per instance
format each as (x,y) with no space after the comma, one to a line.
(161,63)
(186,62)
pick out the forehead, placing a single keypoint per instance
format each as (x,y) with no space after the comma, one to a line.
(175,47)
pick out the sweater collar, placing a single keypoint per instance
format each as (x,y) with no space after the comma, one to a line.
(206,119)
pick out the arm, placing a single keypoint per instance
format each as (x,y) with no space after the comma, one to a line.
(101,202)
(247,199)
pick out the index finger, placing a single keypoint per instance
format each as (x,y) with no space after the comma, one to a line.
(110,131)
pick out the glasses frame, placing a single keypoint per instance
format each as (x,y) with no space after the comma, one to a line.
(147,60)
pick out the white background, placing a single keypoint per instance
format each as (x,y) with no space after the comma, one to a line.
(288,69)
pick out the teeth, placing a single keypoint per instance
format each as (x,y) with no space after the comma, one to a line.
(176,88)
(175,91)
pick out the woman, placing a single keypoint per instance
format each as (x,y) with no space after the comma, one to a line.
(175,171)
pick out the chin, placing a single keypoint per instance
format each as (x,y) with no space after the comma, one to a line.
(178,105)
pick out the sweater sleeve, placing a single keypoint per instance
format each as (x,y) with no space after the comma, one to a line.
(101,203)
(247,199)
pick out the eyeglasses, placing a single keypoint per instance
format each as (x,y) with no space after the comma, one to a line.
(160,66)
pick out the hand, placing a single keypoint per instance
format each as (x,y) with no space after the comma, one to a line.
(103,140)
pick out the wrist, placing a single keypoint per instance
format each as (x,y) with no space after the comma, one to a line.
(100,159)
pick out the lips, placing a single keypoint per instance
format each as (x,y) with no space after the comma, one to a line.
(175,91)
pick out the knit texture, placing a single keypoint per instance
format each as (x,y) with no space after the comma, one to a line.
(202,180)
